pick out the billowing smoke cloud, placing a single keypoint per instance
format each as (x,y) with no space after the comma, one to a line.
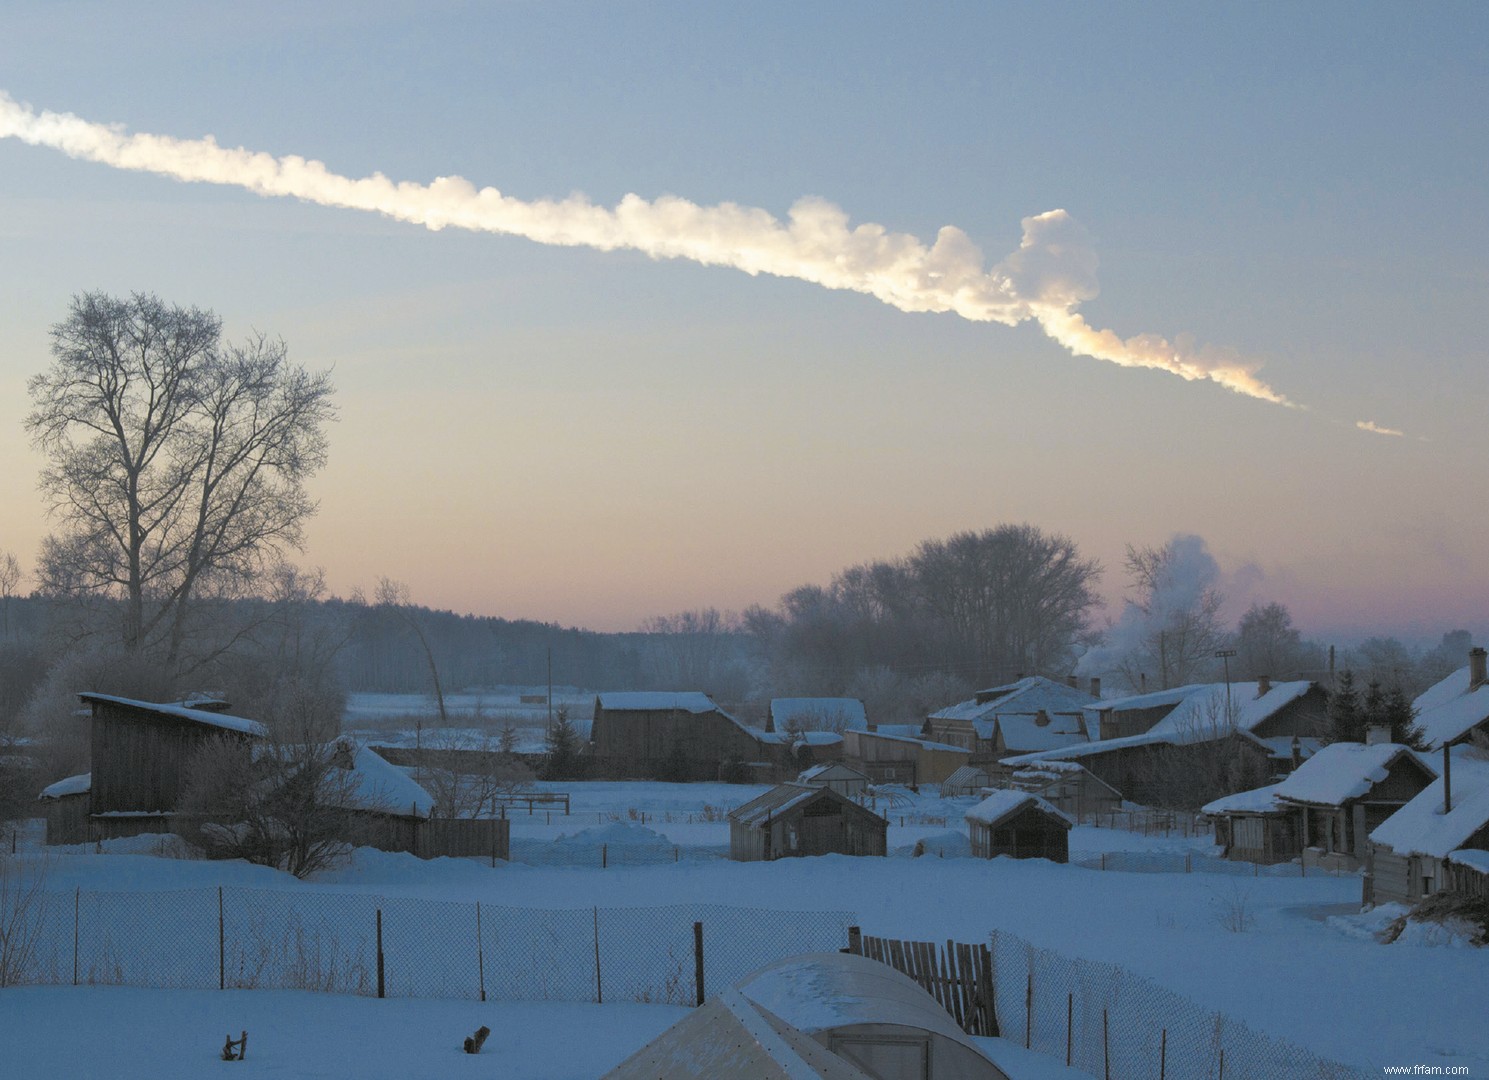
(1045,280)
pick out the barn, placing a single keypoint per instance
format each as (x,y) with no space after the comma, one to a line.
(655,735)
(870,1014)
(803,819)
(1020,825)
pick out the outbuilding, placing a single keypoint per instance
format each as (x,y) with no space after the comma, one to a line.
(870,1014)
(844,779)
(1256,826)
(803,819)
(1020,825)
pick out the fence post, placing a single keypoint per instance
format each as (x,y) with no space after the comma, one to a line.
(1029,1007)
(77,914)
(1106,1052)
(1222,1064)
(855,941)
(599,989)
(380,985)
(698,959)
(1103,860)
(480,954)
(221,944)
(1188,864)
(1069,1027)
(1163,1054)
(604,856)
(676,853)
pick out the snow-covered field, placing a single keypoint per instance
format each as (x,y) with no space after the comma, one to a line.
(1286,956)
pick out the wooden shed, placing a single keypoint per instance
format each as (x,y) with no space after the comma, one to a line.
(65,805)
(844,779)
(803,819)
(1256,826)
(1019,825)
(1410,850)
(870,1014)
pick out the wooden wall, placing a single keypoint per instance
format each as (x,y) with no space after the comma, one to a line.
(639,744)
(140,759)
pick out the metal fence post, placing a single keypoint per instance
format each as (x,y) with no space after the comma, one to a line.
(1069,1027)
(1029,1007)
(1163,1055)
(381,987)
(1106,1051)
(221,944)
(480,953)
(599,988)
(77,914)
(698,959)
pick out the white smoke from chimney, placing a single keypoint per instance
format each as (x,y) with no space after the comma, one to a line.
(1051,274)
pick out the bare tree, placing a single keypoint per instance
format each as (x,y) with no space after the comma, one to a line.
(176,463)
(10,577)
(1269,644)
(696,649)
(392,599)
(468,775)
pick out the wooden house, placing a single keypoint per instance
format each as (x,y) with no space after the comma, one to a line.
(670,736)
(1019,825)
(1255,826)
(803,819)
(1069,787)
(865,1011)
(1209,736)
(844,779)
(1344,791)
(901,759)
(1030,714)
(1413,850)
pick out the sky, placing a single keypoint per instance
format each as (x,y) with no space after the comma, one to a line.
(1284,201)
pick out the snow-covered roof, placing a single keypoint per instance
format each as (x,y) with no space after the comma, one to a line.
(1151,700)
(1420,827)
(1003,804)
(924,743)
(909,731)
(1281,746)
(376,783)
(1262,800)
(181,712)
(1024,731)
(1471,857)
(1447,710)
(778,800)
(71,785)
(837,712)
(1027,695)
(692,701)
(1342,771)
(810,738)
(1199,717)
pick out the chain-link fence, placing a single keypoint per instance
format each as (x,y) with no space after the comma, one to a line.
(601,855)
(1176,862)
(1116,1025)
(356,943)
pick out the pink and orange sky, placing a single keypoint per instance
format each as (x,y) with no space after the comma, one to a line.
(1275,203)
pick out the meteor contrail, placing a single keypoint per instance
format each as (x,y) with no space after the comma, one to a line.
(1045,280)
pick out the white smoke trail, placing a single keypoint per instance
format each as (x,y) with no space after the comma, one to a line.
(1374,428)
(1046,279)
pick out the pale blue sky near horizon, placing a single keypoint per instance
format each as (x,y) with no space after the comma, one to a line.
(591,438)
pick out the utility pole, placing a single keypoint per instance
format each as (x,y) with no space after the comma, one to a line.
(1225,655)
(550,690)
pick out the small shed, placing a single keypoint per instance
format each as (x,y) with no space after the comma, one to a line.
(968,780)
(803,819)
(844,779)
(732,1038)
(1021,825)
(65,804)
(870,1014)
(1256,826)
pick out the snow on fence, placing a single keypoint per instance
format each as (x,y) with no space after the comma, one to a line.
(357,943)
(1109,1022)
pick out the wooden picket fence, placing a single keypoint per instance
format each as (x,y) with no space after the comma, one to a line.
(958,976)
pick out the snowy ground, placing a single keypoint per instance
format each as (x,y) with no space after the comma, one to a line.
(1285,956)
